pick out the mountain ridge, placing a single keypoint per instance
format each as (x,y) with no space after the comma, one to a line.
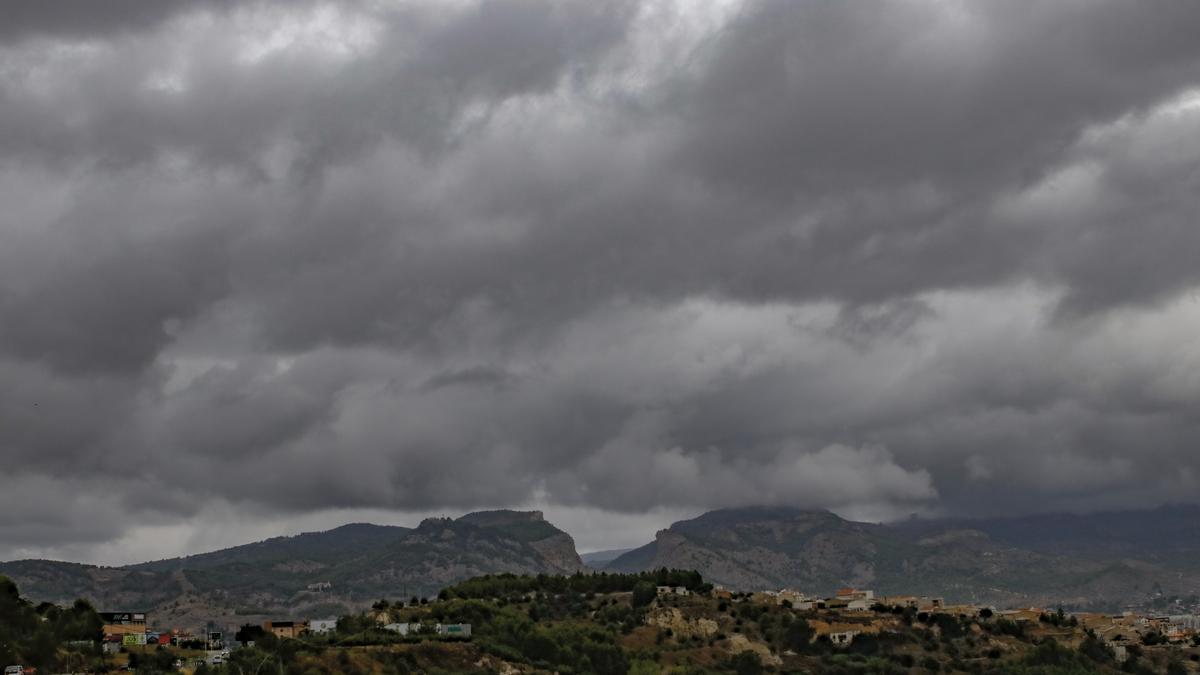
(1046,559)
(1106,559)
(331,571)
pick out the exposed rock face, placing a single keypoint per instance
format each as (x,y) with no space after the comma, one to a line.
(559,552)
(739,643)
(673,619)
(556,547)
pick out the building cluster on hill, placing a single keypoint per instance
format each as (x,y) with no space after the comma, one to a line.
(1117,631)
(848,621)
(459,630)
(1127,628)
(849,599)
(127,629)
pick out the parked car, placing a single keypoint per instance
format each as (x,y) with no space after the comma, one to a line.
(14,670)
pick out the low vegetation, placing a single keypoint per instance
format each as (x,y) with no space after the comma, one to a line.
(614,624)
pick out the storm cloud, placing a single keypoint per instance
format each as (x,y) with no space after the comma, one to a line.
(275,262)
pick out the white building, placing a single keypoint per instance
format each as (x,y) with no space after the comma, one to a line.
(322,626)
(843,638)
(462,630)
(402,628)
(855,594)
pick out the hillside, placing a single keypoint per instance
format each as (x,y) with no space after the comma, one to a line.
(651,623)
(327,547)
(1048,560)
(320,572)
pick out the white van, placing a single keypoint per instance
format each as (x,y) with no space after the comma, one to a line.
(14,670)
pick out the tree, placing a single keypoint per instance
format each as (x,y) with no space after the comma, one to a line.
(31,636)
(1094,648)
(1153,638)
(797,636)
(249,633)
(644,593)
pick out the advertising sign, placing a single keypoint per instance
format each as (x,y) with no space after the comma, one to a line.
(132,639)
(122,617)
(115,617)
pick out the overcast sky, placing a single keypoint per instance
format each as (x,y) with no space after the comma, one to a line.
(278,265)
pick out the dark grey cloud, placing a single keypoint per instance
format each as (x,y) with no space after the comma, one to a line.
(82,19)
(619,256)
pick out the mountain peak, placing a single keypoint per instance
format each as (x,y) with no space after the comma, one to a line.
(501,517)
(745,515)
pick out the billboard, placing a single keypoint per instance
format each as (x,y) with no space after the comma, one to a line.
(117,618)
(133,639)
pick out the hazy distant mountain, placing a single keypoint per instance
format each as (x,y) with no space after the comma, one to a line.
(1169,535)
(313,573)
(601,558)
(1104,560)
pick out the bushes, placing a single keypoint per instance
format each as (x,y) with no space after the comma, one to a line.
(1051,657)
(746,663)
(949,626)
(1008,627)
(509,585)
(157,661)
(567,646)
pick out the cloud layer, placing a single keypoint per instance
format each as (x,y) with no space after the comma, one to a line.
(288,260)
